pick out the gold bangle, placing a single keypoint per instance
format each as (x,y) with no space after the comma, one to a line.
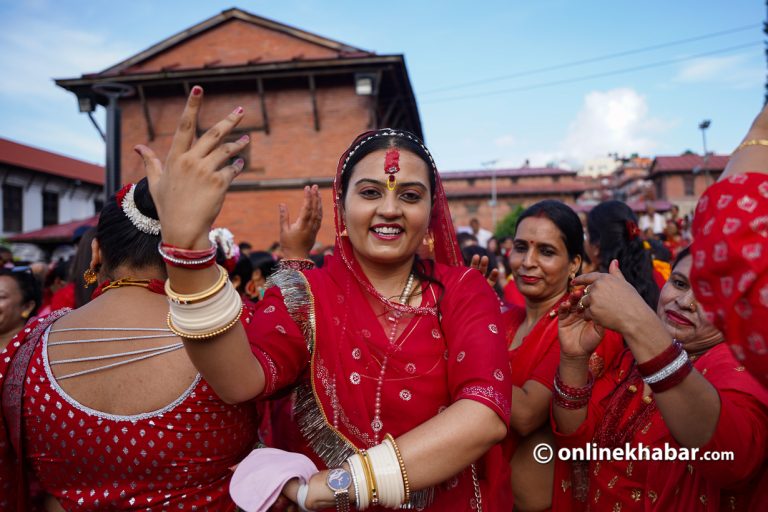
(205,335)
(406,485)
(751,142)
(373,493)
(201,296)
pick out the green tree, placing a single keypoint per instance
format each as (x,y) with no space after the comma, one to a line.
(506,226)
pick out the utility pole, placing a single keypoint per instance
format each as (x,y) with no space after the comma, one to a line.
(705,163)
(490,164)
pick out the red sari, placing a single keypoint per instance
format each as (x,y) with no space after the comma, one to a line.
(619,413)
(730,265)
(329,332)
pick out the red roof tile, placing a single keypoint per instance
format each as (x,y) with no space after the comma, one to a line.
(27,157)
(506,173)
(687,163)
(58,233)
(552,188)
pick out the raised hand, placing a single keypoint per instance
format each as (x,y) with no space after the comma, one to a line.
(578,336)
(610,301)
(189,189)
(481,264)
(298,238)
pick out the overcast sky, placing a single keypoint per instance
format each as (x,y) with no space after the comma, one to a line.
(497,81)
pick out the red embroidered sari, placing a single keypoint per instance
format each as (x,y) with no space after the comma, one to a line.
(619,413)
(331,332)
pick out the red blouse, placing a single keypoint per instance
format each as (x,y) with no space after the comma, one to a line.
(177,457)
(436,362)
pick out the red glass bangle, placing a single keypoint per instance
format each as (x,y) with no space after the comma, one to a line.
(660,361)
(569,404)
(187,254)
(673,380)
(574,393)
(296,264)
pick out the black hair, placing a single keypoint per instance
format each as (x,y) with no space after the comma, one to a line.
(244,270)
(263,261)
(120,241)
(407,142)
(609,226)
(27,283)
(681,255)
(564,218)
(59,270)
(80,263)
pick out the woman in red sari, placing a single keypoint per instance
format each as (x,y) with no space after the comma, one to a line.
(546,254)
(382,344)
(655,397)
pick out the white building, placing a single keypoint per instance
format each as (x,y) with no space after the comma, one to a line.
(42,189)
(600,166)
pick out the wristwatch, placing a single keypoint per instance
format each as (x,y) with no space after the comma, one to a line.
(339,480)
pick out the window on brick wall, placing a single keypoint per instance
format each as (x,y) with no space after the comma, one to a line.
(688,184)
(50,208)
(12,208)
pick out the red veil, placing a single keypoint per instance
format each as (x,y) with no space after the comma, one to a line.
(449,347)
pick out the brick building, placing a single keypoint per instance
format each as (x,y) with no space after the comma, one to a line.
(305,96)
(681,180)
(469,192)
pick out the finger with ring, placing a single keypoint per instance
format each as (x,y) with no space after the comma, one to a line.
(581,305)
(586,289)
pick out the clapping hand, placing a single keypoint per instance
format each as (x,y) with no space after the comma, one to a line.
(298,238)
(481,264)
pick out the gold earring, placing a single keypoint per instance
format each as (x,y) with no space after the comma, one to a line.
(90,277)
(25,315)
(429,241)
(344,233)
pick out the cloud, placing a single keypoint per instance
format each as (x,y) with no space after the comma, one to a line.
(611,121)
(35,51)
(732,70)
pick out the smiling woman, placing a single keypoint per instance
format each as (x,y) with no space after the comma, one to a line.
(392,347)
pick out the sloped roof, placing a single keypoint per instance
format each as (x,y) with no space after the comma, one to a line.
(342,49)
(689,162)
(553,188)
(27,157)
(54,234)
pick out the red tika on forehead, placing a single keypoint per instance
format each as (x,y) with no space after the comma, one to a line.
(392,166)
(392,161)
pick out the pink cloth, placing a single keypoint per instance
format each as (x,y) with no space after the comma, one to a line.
(260,477)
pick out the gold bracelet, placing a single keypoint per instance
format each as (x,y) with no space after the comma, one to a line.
(751,142)
(205,335)
(373,493)
(201,296)
(406,485)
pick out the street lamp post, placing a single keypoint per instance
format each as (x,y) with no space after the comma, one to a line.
(705,163)
(490,164)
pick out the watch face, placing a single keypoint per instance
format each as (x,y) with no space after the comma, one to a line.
(339,479)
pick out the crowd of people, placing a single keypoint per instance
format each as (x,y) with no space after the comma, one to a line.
(167,366)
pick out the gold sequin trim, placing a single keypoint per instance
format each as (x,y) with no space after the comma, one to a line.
(636,494)
(565,484)
(617,507)
(647,400)
(632,388)
(597,469)
(703,499)
(647,428)
(597,495)
(630,467)
(653,496)
(613,481)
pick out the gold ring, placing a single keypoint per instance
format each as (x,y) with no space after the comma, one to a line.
(586,289)
(581,305)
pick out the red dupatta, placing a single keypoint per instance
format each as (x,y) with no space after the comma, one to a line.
(357,332)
